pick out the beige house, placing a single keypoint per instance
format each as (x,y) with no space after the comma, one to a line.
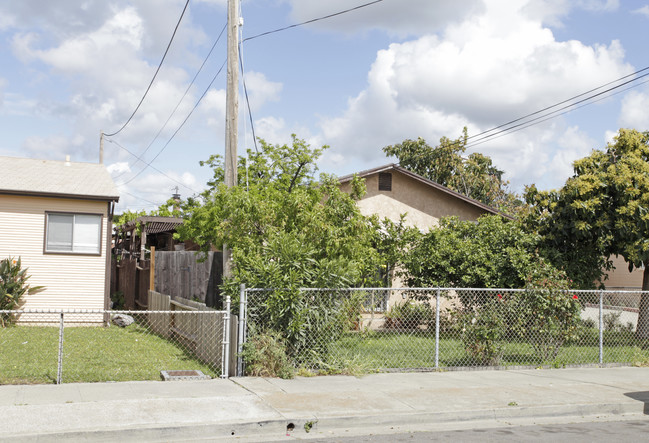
(393,190)
(621,279)
(57,217)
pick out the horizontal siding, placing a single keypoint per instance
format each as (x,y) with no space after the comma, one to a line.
(71,281)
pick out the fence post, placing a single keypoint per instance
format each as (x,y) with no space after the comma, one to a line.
(225,357)
(601,327)
(152,270)
(242,327)
(437,331)
(59,369)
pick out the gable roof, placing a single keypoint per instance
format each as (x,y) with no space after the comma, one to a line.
(425,181)
(27,176)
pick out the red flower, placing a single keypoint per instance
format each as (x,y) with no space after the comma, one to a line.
(574,297)
(500,296)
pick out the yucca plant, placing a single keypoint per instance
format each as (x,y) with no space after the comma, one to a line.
(13,285)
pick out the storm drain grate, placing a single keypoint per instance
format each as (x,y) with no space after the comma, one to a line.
(183,375)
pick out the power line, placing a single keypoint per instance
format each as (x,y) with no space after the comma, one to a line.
(558,104)
(547,116)
(179,128)
(158,170)
(154,75)
(140,158)
(312,20)
(245,92)
(479,142)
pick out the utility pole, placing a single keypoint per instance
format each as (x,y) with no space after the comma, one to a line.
(231,113)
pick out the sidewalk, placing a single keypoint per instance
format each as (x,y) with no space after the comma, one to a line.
(260,409)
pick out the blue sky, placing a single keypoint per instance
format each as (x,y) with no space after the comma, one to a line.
(358,82)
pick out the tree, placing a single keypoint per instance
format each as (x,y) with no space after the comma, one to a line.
(474,176)
(287,230)
(605,207)
(489,253)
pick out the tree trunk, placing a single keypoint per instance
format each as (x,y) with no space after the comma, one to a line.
(642,330)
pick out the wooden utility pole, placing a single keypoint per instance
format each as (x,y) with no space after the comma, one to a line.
(231,113)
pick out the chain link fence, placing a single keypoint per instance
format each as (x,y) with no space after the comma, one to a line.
(369,330)
(56,346)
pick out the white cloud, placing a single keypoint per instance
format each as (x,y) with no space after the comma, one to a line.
(56,147)
(482,72)
(643,11)
(261,90)
(635,110)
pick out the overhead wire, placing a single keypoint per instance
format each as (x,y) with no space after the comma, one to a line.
(559,104)
(507,128)
(148,164)
(140,157)
(153,167)
(312,20)
(154,75)
(550,117)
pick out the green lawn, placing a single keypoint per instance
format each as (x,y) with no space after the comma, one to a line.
(29,354)
(416,350)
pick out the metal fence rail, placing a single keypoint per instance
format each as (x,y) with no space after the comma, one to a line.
(424,329)
(44,346)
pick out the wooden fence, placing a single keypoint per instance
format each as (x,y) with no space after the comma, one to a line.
(179,273)
(131,277)
(202,334)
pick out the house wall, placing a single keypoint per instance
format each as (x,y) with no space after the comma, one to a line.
(423,204)
(71,281)
(620,278)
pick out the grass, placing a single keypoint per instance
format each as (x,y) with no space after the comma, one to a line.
(417,350)
(29,354)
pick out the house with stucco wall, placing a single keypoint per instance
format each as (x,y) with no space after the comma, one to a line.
(393,190)
(57,217)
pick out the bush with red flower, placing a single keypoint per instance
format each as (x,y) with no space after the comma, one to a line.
(548,313)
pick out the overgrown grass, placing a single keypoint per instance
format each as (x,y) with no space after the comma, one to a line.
(380,351)
(29,354)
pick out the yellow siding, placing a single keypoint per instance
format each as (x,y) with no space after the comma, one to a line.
(71,281)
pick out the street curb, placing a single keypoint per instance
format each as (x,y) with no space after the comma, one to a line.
(380,423)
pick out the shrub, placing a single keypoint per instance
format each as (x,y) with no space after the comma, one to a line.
(549,313)
(484,330)
(410,315)
(265,355)
(13,285)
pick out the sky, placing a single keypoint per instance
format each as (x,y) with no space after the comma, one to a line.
(357,82)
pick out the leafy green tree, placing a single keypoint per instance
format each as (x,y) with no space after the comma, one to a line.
(605,206)
(474,176)
(287,230)
(551,216)
(489,253)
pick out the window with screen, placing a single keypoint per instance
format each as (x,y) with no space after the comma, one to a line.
(73,233)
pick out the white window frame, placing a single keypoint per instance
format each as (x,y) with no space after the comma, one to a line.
(74,249)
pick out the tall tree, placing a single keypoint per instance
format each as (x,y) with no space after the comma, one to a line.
(605,206)
(286,228)
(474,176)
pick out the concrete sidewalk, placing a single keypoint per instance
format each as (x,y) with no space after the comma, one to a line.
(260,409)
